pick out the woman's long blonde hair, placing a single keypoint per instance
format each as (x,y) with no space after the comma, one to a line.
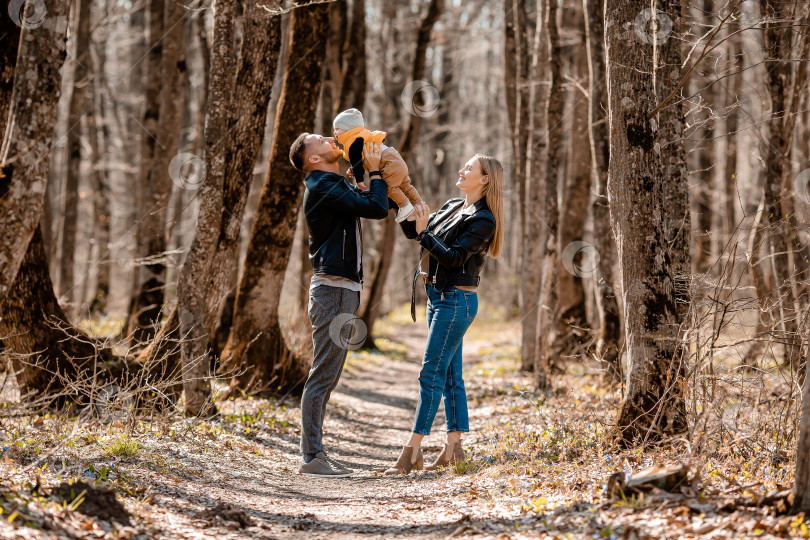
(493,193)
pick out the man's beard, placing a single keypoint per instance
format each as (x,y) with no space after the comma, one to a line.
(331,157)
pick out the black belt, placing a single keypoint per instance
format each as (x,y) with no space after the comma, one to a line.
(463,280)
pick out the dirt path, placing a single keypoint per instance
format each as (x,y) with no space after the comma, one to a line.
(369,418)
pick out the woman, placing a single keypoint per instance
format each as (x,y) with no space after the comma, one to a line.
(457,239)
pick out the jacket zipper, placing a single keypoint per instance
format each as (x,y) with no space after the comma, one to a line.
(344,243)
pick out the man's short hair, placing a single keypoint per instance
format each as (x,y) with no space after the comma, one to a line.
(298,151)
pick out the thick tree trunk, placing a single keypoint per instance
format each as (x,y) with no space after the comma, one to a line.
(9,46)
(370,309)
(607,347)
(353,77)
(50,358)
(73,146)
(333,68)
(570,331)
(641,207)
(256,345)
(191,286)
(546,304)
(526,138)
(26,147)
(207,273)
(536,166)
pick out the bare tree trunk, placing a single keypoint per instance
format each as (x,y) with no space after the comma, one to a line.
(554,123)
(528,135)
(607,347)
(73,146)
(256,344)
(786,83)
(45,351)
(642,216)
(149,125)
(207,274)
(100,183)
(26,147)
(353,77)
(191,285)
(570,333)
(370,308)
(333,69)
(151,290)
(534,236)
(9,46)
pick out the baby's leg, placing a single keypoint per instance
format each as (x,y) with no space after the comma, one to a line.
(410,191)
(397,196)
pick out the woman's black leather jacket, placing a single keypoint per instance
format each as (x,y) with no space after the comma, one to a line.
(457,253)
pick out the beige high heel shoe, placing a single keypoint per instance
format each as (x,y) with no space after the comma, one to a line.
(451,454)
(406,462)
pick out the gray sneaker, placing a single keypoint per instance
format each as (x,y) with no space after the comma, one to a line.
(324,467)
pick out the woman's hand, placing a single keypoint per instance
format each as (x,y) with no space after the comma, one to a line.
(371,156)
(422,213)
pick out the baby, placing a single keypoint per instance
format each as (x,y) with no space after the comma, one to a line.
(352,135)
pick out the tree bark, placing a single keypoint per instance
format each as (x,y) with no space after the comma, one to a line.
(607,347)
(526,131)
(554,112)
(206,275)
(101,188)
(785,83)
(73,146)
(151,292)
(534,236)
(9,47)
(333,68)
(256,345)
(570,335)
(50,358)
(646,214)
(150,123)
(353,79)
(26,147)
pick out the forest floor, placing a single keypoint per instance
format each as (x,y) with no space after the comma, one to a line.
(537,466)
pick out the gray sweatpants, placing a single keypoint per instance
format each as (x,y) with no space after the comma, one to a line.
(331,311)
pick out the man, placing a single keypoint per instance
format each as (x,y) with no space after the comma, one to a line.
(333,209)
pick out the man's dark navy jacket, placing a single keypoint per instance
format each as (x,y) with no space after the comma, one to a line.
(333,209)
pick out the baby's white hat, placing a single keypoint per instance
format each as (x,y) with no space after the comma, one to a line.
(348,119)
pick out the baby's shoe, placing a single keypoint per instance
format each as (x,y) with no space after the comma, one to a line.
(405,212)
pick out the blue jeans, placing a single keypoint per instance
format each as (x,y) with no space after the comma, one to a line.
(450,312)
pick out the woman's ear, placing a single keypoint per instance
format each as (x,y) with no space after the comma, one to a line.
(486,179)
